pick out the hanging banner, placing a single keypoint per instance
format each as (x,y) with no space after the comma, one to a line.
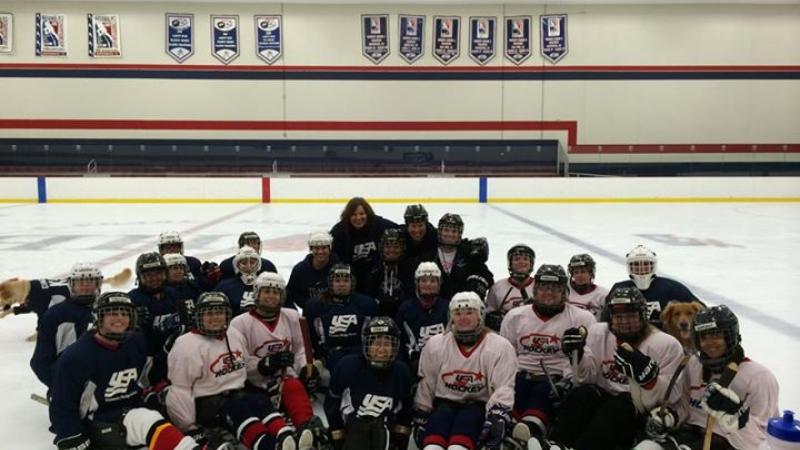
(51,34)
(412,37)
(482,34)
(225,38)
(180,36)
(446,38)
(6,33)
(518,42)
(104,35)
(375,36)
(269,38)
(554,37)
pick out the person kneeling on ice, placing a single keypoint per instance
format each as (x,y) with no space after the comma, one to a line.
(624,365)
(369,401)
(466,390)
(96,396)
(208,371)
(740,410)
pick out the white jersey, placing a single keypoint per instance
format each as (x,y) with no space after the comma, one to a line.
(597,365)
(485,373)
(200,366)
(593,301)
(506,294)
(753,383)
(537,338)
(265,339)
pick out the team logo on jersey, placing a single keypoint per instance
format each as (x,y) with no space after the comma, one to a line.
(375,405)
(119,382)
(464,381)
(341,324)
(248,300)
(362,251)
(427,332)
(612,373)
(541,343)
(226,363)
(271,346)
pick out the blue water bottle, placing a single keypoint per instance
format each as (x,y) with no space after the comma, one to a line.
(783,433)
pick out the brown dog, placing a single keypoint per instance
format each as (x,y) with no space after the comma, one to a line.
(677,319)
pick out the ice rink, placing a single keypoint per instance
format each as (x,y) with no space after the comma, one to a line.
(745,255)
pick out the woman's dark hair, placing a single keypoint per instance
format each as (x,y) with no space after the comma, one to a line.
(350,209)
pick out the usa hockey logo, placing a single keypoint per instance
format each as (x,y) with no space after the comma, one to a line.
(611,372)
(271,346)
(541,343)
(362,251)
(119,382)
(226,363)
(464,382)
(427,332)
(341,324)
(375,405)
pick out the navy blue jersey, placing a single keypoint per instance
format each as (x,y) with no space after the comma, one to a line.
(186,290)
(389,284)
(226,267)
(335,329)
(463,268)
(359,248)
(195,270)
(659,294)
(417,324)
(46,293)
(358,390)
(60,326)
(238,293)
(161,319)
(306,282)
(95,381)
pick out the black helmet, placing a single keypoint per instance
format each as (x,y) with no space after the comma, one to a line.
(392,236)
(378,328)
(341,270)
(450,221)
(212,302)
(520,249)
(550,273)
(582,260)
(718,319)
(150,261)
(415,213)
(623,300)
(114,303)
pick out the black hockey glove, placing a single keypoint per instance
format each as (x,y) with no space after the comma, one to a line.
(270,364)
(418,423)
(311,382)
(478,250)
(724,405)
(79,442)
(636,365)
(477,284)
(494,319)
(144,318)
(574,339)
(337,439)
(494,428)
(659,424)
(21,309)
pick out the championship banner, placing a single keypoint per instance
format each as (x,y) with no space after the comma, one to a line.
(554,37)
(518,42)
(180,36)
(104,35)
(269,38)
(375,36)
(412,37)
(446,38)
(225,38)
(6,33)
(51,34)
(482,34)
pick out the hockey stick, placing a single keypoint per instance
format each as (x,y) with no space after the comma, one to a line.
(724,381)
(39,399)
(636,390)
(549,379)
(307,344)
(663,409)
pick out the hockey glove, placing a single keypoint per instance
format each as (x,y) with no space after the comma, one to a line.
(563,386)
(574,339)
(493,320)
(155,397)
(144,318)
(270,364)
(724,405)
(418,423)
(79,442)
(659,424)
(311,382)
(494,428)
(636,366)
(212,272)
(21,309)
(478,250)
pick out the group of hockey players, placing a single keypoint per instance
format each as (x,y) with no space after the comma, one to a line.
(404,334)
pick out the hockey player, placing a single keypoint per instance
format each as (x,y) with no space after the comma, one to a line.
(513,291)
(535,332)
(460,258)
(178,278)
(424,315)
(583,293)
(466,390)
(208,370)
(336,317)
(356,236)
(250,239)
(420,235)
(658,291)
(171,242)
(624,366)
(96,395)
(309,277)
(239,290)
(277,355)
(65,322)
(741,410)
(392,279)
(376,413)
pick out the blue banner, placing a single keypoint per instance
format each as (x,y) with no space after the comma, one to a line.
(482,36)
(446,38)
(269,38)
(180,36)
(412,37)
(554,37)
(518,42)
(375,36)
(225,38)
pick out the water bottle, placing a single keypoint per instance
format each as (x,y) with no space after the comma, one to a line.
(783,433)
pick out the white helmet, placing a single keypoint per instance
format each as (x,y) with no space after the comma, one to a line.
(464,301)
(269,280)
(85,271)
(246,252)
(427,269)
(169,238)
(320,240)
(641,262)
(175,259)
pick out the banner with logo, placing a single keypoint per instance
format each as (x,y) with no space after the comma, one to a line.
(6,33)
(104,35)
(482,36)
(180,36)
(518,42)
(412,37)
(51,34)
(554,37)
(269,38)
(225,37)
(375,36)
(446,38)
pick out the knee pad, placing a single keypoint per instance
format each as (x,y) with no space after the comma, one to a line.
(140,423)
